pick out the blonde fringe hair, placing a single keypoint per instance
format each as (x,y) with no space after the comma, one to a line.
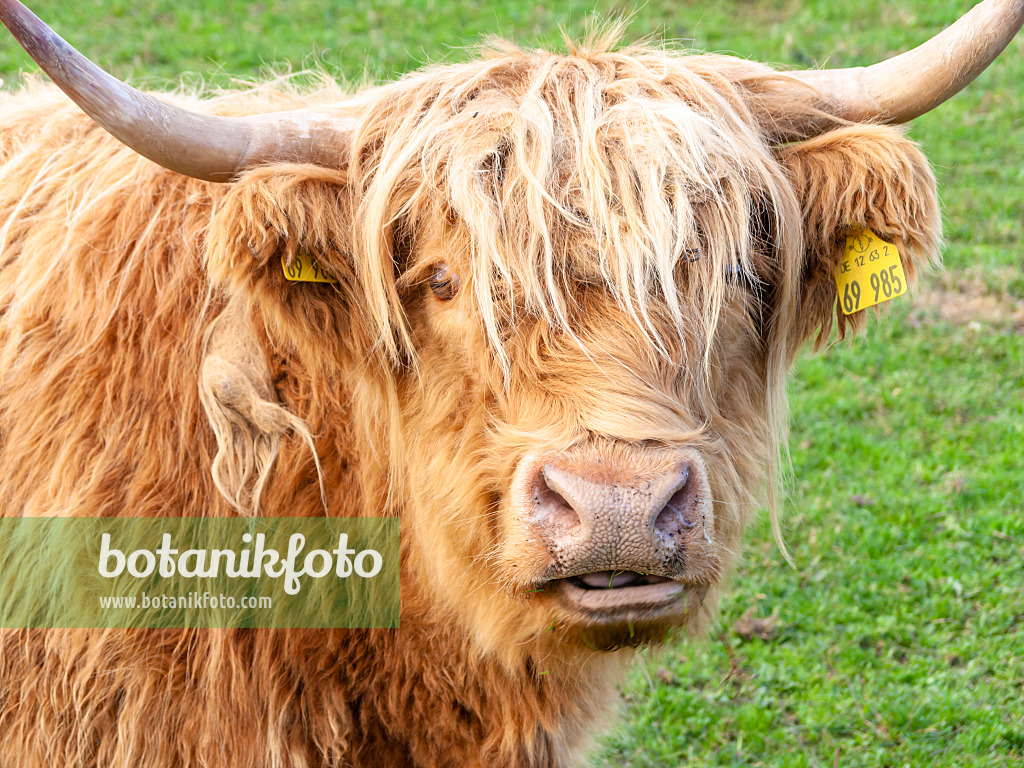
(644,172)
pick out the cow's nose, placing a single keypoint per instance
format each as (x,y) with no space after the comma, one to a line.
(664,506)
(592,520)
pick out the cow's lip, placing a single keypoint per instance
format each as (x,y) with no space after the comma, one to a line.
(610,592)
(606,580)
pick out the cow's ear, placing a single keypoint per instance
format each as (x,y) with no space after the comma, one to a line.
(277,216)
(862,176)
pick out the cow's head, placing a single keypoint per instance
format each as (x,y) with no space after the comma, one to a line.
(569,290)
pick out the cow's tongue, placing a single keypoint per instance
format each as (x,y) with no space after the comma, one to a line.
(609,579)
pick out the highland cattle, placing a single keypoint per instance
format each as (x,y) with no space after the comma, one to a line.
(561,294)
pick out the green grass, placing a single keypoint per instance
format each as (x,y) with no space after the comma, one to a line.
(900,631)
(900,637)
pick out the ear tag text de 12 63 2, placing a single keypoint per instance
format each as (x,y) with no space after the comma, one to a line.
(304,270)
(869,272)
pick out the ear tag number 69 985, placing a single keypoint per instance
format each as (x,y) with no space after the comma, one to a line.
(869,272)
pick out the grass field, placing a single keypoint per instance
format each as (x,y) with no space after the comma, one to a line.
(898,639)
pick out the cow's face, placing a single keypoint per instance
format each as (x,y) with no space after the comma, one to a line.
(590,478)
(579,284)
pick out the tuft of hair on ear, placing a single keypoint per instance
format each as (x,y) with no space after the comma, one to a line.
(237,393)
(845,180)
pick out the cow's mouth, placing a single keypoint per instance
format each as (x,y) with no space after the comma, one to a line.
(612,592)
(615,580)
(606,610)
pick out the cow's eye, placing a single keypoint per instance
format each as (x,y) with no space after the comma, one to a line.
(444,281)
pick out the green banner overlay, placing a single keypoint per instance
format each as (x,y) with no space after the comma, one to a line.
(191,572)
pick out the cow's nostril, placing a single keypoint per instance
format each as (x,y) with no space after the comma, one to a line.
(680,512)
(551,508)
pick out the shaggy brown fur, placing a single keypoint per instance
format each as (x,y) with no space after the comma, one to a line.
(154,361)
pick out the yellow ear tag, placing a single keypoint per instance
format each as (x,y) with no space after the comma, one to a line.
(304,270)
(869,273)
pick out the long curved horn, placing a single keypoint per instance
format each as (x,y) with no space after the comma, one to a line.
(203,146)
(906,86)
